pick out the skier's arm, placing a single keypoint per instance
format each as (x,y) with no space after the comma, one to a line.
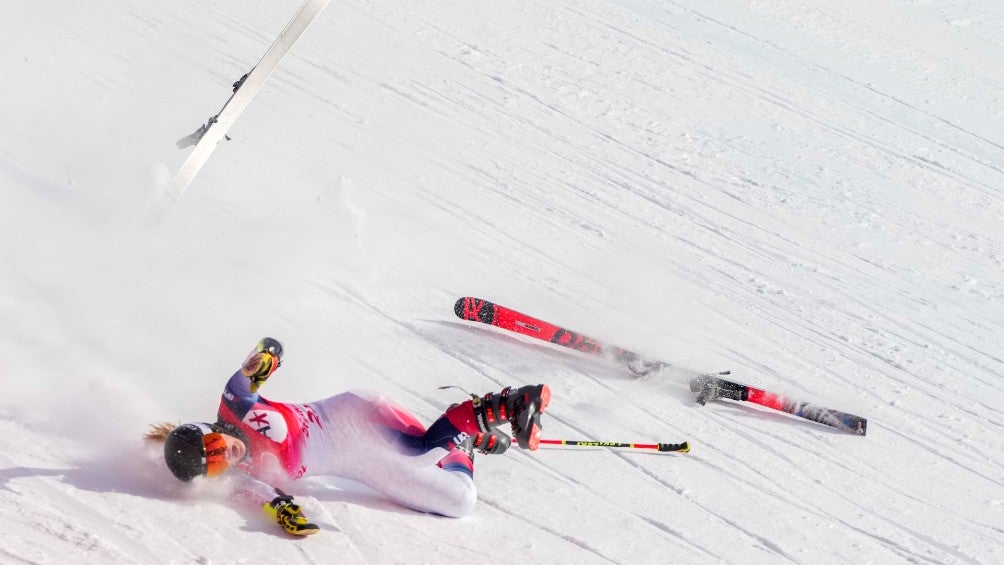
(264,359)
(251,490)
(276,504)
(242,388)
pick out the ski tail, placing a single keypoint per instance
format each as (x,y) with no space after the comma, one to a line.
(713,387)
(485,312)
(478,310)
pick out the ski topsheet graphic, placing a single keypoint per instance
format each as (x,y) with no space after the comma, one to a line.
(210,134)
(708,387)
(478,310)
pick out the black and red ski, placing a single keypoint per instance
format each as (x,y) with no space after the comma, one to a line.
(713,387)
(709,387)
(478,310)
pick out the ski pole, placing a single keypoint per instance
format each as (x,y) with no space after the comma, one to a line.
(677,447)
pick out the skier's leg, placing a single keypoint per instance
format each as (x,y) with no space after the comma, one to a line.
(448,490)
(375,441)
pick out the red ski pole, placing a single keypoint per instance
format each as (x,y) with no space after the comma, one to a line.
(677,447)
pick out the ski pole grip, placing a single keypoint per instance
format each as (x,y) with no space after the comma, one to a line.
(681,447)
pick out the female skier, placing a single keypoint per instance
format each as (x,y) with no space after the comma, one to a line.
(362,437)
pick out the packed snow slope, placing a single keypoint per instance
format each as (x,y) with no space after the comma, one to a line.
(807,193)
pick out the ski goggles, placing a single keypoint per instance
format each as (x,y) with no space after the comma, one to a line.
(219,453)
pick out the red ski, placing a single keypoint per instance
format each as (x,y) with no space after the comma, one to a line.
(478,310)
(708,387)
(713,387)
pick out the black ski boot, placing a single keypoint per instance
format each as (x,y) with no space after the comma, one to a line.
(520,407)
(487,443)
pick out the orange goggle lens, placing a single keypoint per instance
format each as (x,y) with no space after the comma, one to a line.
(216,454)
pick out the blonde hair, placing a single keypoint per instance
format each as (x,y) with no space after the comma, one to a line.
(159,432)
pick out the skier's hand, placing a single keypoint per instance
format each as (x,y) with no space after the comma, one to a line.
(289,516)
(263,360)
(258,367)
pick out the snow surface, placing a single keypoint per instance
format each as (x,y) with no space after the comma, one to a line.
(808,193)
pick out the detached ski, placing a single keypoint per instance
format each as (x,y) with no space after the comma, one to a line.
(713,387)
(478,310)
(708,387)
(215,129)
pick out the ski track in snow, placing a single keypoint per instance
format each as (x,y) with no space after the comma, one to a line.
(890,544)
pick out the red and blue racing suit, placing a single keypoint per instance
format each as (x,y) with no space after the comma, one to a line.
(359,436)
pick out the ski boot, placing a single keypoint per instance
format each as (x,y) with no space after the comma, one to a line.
(520,408)
(461,455)
(487,443)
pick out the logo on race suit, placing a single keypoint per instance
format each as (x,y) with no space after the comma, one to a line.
(268,423)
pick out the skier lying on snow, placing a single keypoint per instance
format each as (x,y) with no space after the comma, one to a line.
(365,438)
